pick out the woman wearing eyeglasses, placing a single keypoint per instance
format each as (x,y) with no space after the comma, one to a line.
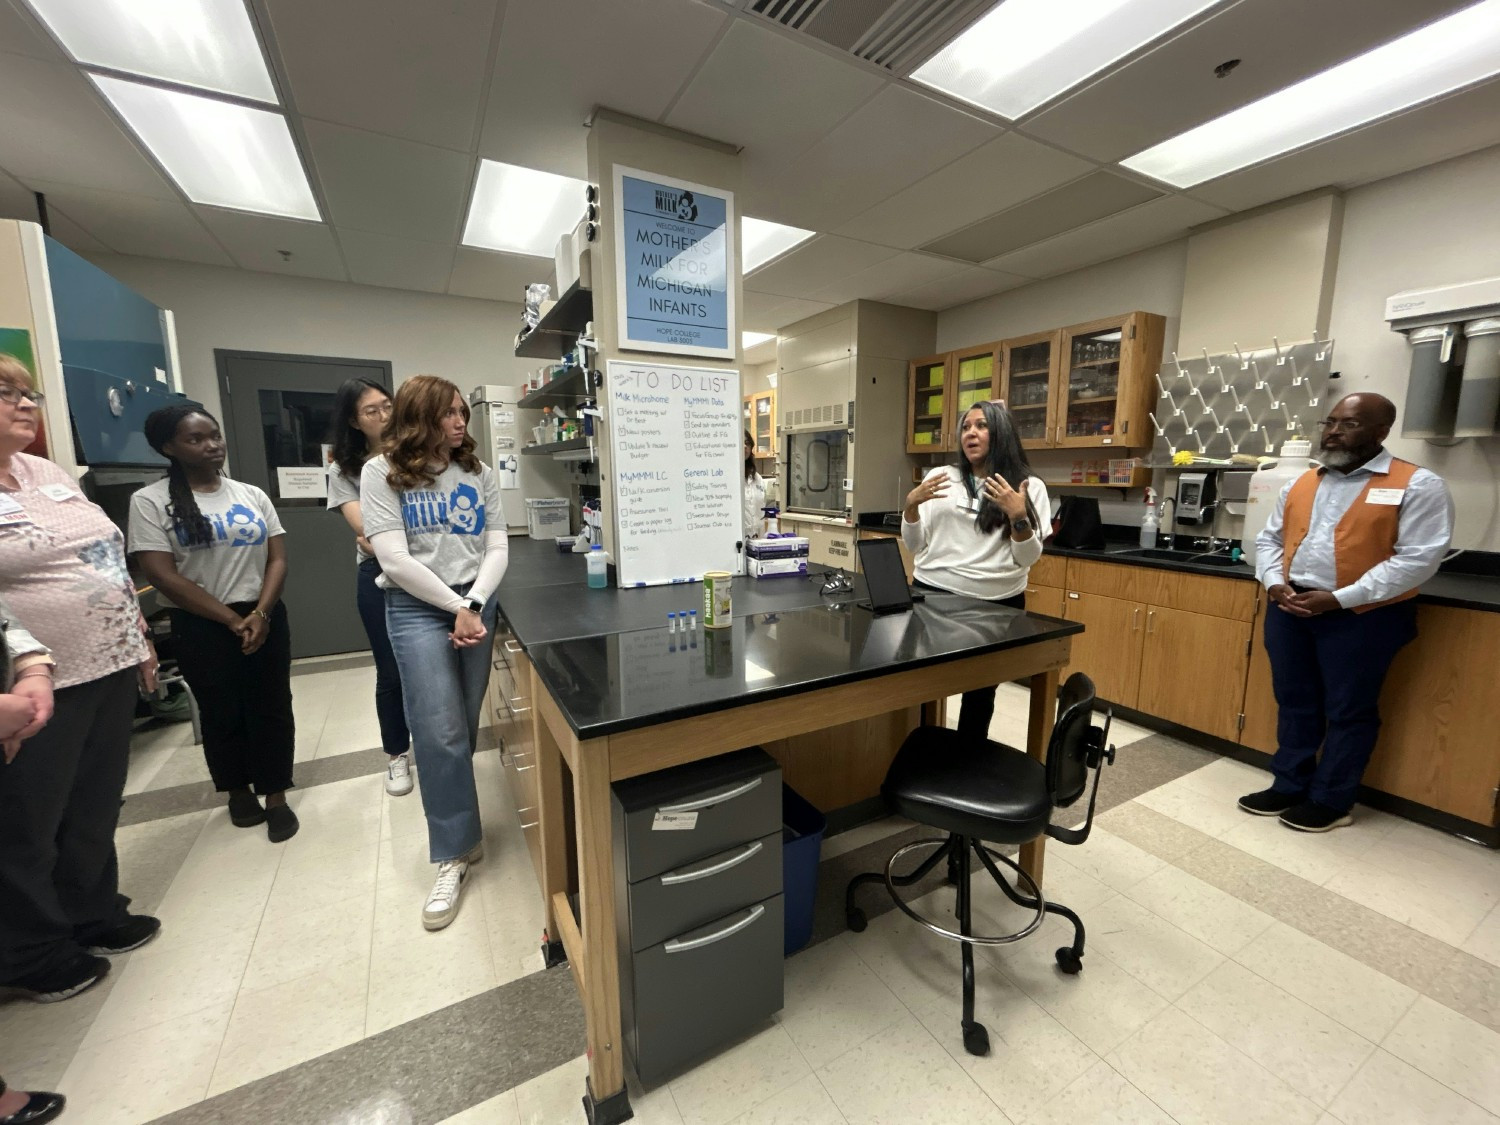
(360,415)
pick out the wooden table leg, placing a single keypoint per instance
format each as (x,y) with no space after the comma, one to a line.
(1038,733)
(607,1100)
(551,823)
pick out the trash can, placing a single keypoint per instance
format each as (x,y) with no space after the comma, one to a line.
(802,828)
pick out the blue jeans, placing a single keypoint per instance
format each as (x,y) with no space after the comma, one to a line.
(394,736)
(443,688)
(1327,672)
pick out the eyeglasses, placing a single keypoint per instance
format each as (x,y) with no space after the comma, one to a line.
(381,411)
(13,395)
(1343,426)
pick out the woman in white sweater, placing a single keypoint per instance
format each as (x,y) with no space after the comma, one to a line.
(972,528)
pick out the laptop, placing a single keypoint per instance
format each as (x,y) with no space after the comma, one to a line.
(885,576)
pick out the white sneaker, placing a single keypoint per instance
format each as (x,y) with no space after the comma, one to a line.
(442,904)
(398,775)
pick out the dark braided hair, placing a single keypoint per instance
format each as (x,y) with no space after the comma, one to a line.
(191,525)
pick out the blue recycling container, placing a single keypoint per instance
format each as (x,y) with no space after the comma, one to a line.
(802,828)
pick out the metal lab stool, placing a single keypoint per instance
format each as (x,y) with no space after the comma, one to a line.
(167,673)
(980,791)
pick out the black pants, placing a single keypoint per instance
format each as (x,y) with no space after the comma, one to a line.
(978,706)
(249,734)
(59,805)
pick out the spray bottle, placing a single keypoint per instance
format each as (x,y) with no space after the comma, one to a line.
(1149,522)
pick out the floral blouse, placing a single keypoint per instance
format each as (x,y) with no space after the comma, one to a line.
(62,571)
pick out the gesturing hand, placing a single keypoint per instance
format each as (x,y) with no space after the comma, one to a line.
(1006,498)
(933,488)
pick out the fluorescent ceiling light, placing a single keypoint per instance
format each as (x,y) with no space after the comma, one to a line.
(761,241)
(1443,56)
(221,154)
(1026,52)
(521,210)
(753,339)
(208,44)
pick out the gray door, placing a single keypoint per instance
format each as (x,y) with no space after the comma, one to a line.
(276,414)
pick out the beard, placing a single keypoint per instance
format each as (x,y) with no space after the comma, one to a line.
(1338,458)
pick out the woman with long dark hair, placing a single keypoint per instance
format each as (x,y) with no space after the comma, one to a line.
(753,502)
(974,527)
(432,514)
(215,550)
(360,414)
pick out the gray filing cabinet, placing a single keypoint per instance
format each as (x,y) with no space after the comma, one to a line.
(698,897)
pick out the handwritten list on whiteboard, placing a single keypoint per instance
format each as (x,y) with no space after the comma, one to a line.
(677,448)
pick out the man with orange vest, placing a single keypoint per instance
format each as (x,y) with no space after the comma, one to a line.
(1341,559)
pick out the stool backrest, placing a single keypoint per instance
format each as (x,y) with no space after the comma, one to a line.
(1073,750)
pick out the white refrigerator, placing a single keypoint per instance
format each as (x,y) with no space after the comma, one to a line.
(502,430)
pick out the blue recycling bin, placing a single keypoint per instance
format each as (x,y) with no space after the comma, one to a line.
(802,828)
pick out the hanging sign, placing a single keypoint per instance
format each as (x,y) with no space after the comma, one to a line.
(674,242)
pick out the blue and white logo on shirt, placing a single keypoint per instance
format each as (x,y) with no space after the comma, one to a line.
(240,526)
(460,512)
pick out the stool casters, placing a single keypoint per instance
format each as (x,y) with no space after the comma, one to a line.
(1070,960)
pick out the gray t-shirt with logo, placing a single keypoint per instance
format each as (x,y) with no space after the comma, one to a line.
(345,490)
(232,566)
(445,522)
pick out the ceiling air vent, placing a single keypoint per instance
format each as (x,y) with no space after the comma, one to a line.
(898,35)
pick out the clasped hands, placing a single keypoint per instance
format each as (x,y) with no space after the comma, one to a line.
(1308,604)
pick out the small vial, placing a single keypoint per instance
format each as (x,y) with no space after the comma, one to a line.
(693,620)
(671,623)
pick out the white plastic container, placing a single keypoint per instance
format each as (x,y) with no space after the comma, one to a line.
(1265,487)
(547,518)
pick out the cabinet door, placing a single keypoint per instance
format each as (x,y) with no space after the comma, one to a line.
(1259,708)
(1046,600)
(1193,669)
(1029,369)
(976,378)
(1108,651)
(1090,385)
(929,406)
(763,423)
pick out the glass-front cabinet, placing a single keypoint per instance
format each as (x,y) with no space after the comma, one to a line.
(1104,396)
(929,406)
(975,378)
(760,421)
(1029,376)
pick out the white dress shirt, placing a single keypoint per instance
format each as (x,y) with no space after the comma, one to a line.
(1425,528)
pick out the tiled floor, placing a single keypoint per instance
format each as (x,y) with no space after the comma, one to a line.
(1236,971)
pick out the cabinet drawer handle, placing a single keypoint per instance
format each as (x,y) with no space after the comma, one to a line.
(677,945)
(1150,621)
(712,799)
(511,647)
(519,710)
(1135,619)
(688,875)
(513,700)
(533,824)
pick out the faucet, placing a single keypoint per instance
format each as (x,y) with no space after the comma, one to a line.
(1213,544)
(1161,519)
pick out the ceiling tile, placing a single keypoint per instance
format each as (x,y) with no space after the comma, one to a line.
(816,264)
(137,224)
(899,274)
(1462,123)
(16,200)
(54,127)
(1000,174)
(396,263)
(560,59)
(769,94)
(1147,225)
(19,202)
(1173,88)
(1053,212)
(73,236)
(766,312)
(256,241)
(20,34)
(890,142)
(408,70)
(388,186)
(495,276)
(970,285)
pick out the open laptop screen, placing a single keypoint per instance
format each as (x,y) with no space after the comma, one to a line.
(885,577)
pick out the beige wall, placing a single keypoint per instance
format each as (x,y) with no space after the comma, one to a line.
(1430,227)
(1263,276)
(469,341)
(756,377)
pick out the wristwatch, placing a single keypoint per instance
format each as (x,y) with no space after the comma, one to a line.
(474,607)
(1022,524)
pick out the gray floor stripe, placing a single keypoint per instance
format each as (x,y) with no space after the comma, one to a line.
(154,804)
(422,1071)
(332,664)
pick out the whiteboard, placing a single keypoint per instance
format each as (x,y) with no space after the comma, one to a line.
(676,439)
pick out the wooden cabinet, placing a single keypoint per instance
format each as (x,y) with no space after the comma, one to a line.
(1029,375)
(827,544)
(1046,600)
(1191,665)
(1044,586)
(1106,392)
(760,422)
(509,696)
(929,406)
(1259,708)
(1109,649)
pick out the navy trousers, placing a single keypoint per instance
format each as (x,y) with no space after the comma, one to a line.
(1327,672)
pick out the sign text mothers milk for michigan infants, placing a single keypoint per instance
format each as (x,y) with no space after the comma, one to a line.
(674,251)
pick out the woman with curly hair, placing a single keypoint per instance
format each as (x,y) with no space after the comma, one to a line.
(215,550)
(432,515)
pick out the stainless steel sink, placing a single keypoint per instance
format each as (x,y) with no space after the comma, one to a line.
(1168,554)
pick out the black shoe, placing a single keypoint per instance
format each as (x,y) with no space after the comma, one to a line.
(42,1107)
(245,810)
(1313,817)
(78,974)
(134,932)
(1269,802)
(281,823)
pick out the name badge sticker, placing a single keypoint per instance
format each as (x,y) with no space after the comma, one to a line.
(58,492)
(1390,497)
(10,506)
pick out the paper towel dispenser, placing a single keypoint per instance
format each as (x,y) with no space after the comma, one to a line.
(1453,387)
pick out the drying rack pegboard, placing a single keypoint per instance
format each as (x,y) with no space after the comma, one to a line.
(1240,402)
